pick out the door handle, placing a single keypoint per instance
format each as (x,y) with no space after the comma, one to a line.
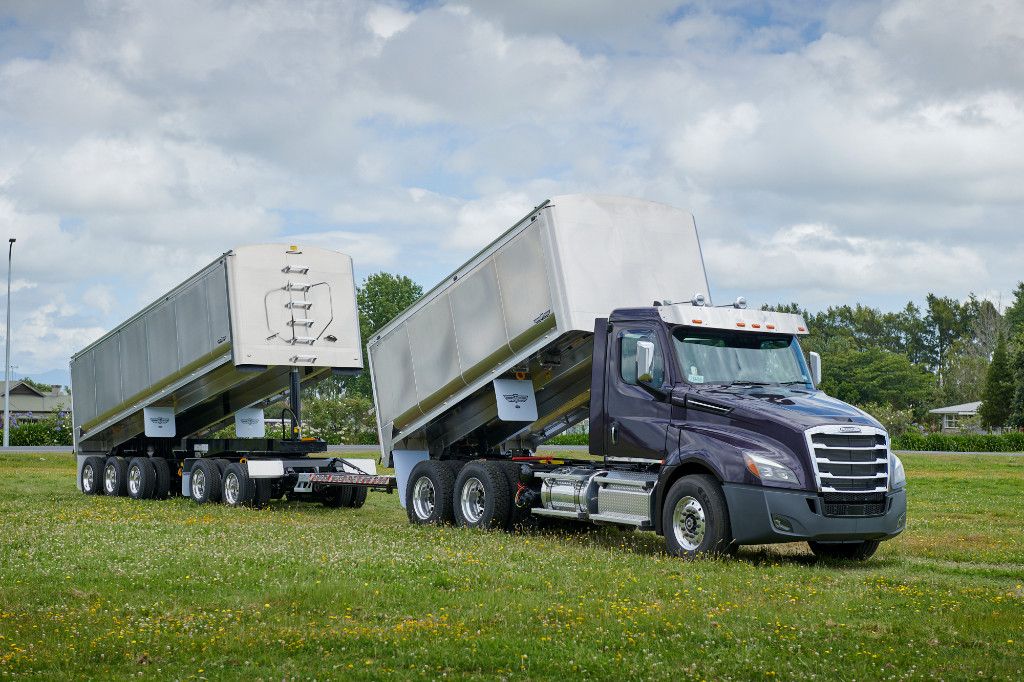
(615,434)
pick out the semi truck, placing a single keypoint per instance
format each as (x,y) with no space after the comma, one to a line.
(260,321)
(706,425)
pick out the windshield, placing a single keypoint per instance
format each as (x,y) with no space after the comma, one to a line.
(723,357)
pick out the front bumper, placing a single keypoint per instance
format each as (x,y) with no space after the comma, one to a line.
(764,515)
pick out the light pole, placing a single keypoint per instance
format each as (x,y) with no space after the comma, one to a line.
(7,363)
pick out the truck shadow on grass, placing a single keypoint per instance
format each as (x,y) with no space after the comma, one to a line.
(649,544)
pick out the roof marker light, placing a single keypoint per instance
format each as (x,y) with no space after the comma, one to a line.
(800,329)
(755,325)
(770,326)
(697,321)
(741,324)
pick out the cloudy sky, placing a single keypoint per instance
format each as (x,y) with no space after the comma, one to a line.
(869,151)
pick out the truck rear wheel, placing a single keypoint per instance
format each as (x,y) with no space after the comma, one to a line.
(114,474)
(91,478)
(854,551)
(481,498)
(518,516)
(162,489)
(695,519)
(204,482)
(141,478)
(428,493)
(238,490)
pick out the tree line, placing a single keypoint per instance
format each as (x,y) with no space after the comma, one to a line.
(902,364)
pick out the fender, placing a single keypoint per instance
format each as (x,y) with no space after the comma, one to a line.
(678,464)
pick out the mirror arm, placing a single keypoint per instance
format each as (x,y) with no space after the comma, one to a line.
(657,393)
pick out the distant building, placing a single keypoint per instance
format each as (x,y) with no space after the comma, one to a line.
(953,415)
(29,403)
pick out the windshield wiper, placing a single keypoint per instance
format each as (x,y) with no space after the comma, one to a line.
(748,383)
(802,382)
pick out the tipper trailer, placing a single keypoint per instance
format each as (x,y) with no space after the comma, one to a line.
(706,425)
(258,321)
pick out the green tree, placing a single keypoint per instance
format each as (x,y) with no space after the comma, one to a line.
(381,297)
(1017,408)
(948,320)
(998,395)
(964,374)
(1014,315)
(875,376)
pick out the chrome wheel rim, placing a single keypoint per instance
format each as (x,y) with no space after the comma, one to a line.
(472,500)
(688,523)
(134,480)
(109,478)
(88,478)
(198,484)
(423,498)
(231,488)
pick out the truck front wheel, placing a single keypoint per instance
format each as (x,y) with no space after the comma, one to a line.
(854,551)
(695,519)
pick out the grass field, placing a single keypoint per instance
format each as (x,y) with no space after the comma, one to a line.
(94,587)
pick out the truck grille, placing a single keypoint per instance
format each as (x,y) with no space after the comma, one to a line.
(852,464)
(842,504)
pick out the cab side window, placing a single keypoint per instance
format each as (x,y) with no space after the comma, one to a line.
(627,356)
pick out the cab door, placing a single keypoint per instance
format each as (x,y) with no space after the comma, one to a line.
(636,420)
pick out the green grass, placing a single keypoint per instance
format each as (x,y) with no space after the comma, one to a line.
(95,587)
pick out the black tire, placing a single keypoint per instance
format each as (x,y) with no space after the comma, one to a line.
(264,491)
(428,493)
(162,489)
(141,479)
(208,489)
(358,498)
(518,516)
(91,476)
(237,489)
(338,496)
(851,551)
(115,470)
(703,520)
(481,496)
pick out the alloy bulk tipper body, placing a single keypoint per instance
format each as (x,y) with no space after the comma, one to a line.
(257,321)
(705,422)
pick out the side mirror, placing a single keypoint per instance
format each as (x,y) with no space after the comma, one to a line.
(644,362)
(815,368)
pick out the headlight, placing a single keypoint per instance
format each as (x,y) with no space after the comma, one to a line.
(897,476)
(768,469)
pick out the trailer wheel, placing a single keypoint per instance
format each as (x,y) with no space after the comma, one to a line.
(518,516)
(204,482)
(238,489)
(91,477)
(358,498)
(428,493)
(338,496)
(481,496)
(114,474)
(854,551)
(695,518)
(263,492)
(162,489)
(141,478)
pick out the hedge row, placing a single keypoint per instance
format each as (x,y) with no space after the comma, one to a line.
(960,442)
(45,432)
